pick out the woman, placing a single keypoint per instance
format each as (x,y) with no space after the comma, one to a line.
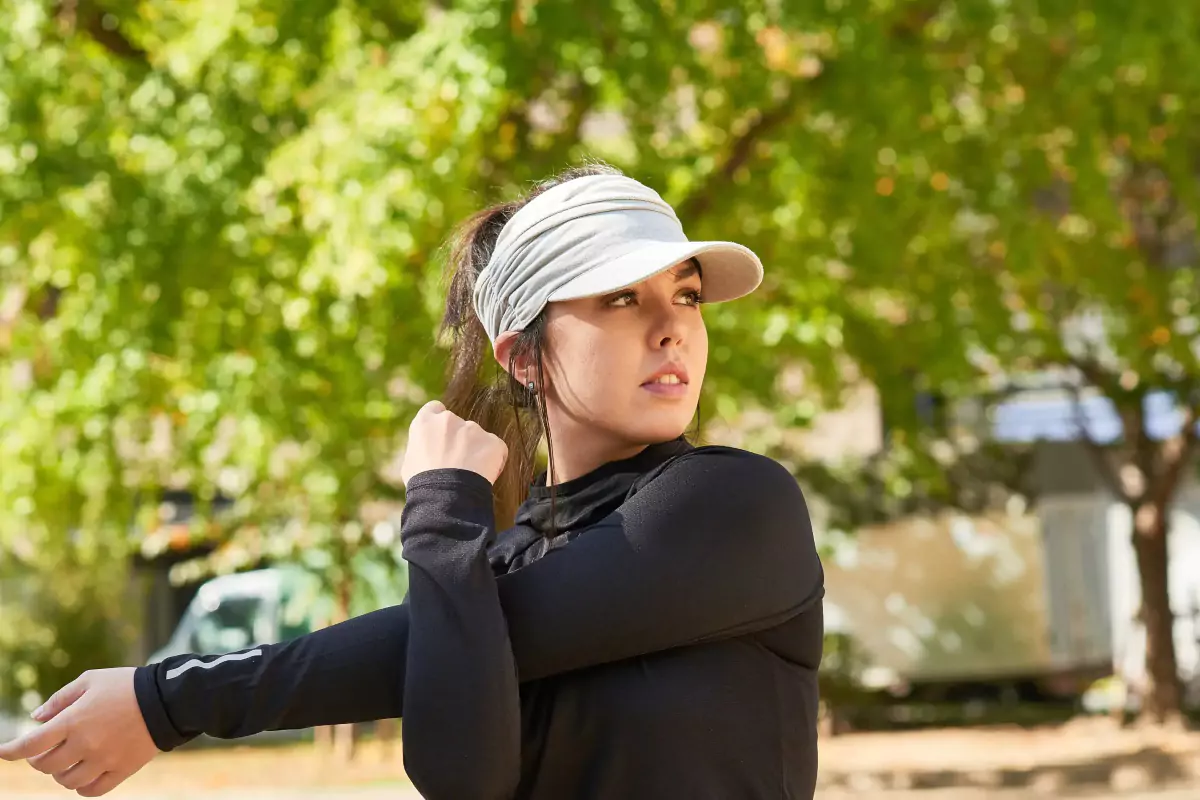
(650,625)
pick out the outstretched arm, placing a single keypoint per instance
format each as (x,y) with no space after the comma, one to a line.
(107,724)
(349,672)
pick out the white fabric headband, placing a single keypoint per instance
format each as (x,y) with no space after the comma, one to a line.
(591,236)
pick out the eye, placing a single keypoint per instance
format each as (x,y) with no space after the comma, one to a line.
(622,299)
(692,297)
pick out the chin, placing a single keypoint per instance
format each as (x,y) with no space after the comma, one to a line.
(649,430)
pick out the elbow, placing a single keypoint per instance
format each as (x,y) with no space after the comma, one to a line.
(455,776)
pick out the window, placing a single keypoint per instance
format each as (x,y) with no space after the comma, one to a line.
(232,625)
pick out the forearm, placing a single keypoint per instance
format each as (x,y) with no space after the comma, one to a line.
(350,672)
(461,724)
(717,546)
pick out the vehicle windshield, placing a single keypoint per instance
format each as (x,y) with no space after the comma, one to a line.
(225,624)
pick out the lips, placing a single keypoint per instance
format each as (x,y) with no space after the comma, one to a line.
(670,375)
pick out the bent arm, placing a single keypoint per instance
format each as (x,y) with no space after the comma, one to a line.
(462,712)
(719,545)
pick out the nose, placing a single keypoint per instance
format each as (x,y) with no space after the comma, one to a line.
(666,325)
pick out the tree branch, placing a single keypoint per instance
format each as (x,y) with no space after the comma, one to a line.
(399,25)
(47,307)
(1142,449)
(1153,220)
(1093,374)
(907,28)
(89,16)
(699,201)
(1164,485)
(1099,453)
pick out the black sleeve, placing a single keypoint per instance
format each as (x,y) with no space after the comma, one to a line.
(462,714)
(718,545)
(349,672)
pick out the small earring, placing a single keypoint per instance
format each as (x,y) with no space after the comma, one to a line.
(532,388)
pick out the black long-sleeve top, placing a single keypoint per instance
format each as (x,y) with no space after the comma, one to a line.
(664,644)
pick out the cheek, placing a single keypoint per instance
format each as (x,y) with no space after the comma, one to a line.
(591,373)
(577,360)
(698,351)
(597,368)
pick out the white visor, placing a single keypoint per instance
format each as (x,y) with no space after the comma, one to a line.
(591,236)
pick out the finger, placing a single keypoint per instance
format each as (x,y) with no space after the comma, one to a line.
(34,743)
(60,700)
(434,407)
(82,774)
(58,759)
(102,785)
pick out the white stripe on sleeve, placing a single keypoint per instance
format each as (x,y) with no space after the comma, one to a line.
(195,662)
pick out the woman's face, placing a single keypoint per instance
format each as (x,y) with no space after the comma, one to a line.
(627,366)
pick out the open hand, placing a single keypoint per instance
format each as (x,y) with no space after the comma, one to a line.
(439,439)
(94,736)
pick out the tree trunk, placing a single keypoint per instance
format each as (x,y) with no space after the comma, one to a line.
(344,742)
(339,740)
(1161,703)
(387,733)
(323,738)
(344,738)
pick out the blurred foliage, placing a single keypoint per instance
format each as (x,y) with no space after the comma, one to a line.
(220,224)
(53,630)
(841,677)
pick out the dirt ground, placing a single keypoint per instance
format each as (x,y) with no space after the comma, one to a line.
(999,746)
(1080,759)
(1081,756)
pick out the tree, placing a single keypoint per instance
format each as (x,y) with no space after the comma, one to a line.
(220,232)
(1033,212)
(952,197)
(220,226)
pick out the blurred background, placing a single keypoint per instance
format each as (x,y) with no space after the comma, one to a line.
(977,344)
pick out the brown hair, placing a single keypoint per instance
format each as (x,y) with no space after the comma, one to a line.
(477,388)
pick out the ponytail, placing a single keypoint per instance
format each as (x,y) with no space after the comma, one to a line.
(477,388)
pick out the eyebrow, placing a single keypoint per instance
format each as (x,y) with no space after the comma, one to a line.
(691,269)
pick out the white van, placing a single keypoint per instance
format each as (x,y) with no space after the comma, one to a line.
(265,606)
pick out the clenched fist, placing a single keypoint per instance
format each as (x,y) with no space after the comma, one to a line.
(439,439)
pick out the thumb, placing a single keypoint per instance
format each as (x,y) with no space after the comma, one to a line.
(60,700)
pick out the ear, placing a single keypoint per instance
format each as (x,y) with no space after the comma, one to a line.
(502,350)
